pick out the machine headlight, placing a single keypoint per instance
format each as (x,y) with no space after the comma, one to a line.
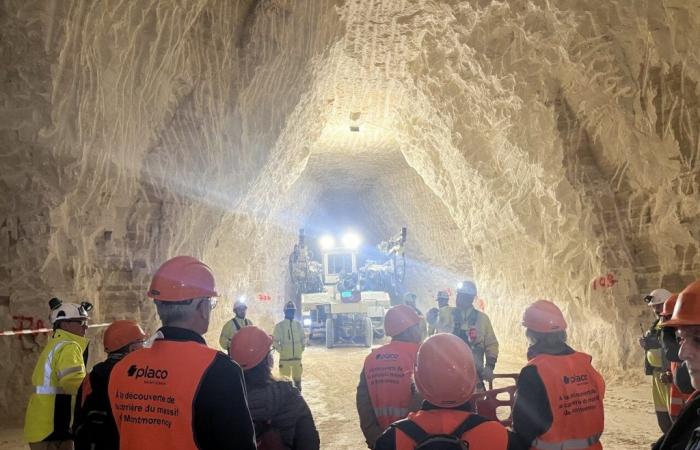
(326,242)
(351,240)
(307,322)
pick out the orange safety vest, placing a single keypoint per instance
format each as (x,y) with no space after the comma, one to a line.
(389,374)
(152,391)
(575,391)
(489,435)
(676,398)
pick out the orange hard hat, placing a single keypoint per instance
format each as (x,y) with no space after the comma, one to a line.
(687,309)
(398,319)
(182,278)
(122,333)
(668,306)
(445,374)
(544,316)
(249,347)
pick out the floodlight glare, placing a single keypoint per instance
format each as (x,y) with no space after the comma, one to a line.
(326,242)
(351,240)
(460,285)
(242,299)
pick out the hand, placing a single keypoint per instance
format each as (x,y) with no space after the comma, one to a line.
(666,377)
(487,373)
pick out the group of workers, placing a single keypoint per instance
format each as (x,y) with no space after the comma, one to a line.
(172,391)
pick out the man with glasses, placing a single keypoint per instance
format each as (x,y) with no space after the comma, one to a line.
(57,376)
(179,393)
(654,362)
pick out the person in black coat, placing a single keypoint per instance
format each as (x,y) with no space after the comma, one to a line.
(280,414)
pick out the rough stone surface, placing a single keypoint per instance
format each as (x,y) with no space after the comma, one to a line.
(535,145)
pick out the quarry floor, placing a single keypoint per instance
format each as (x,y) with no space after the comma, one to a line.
(330,378)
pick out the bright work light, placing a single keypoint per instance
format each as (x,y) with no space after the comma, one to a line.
(351,240)
(326,242)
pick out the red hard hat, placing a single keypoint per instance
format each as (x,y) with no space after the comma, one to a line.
(249,347)
(445,374)
(122,333)
(669,305)
(544,316)
(687,309)
(398,319)
(182,278)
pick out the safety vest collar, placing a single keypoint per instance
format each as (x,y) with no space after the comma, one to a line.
(63,335)
(569,444)
(180,334)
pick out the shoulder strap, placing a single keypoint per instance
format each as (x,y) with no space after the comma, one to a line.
(469,423)
(411,429)
(235,324)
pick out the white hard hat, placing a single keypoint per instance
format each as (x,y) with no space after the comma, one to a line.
(657,297)
(68,311)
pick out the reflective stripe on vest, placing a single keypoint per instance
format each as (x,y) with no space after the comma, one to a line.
(569,444)
(388,371)
(47,388)
(575,393)
(391,411)
(152,392)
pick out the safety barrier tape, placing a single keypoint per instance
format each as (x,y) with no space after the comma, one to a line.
(47,330)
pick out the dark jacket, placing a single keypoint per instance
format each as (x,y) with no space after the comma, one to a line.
(93,423)
(387,441)
(280,406)
(532,414)
(684,430)
(220,417)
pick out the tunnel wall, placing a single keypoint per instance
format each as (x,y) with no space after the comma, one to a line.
(560,138)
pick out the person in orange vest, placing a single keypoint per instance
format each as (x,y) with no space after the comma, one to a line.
(676,375)
(446,377)
(281,416)
(559,397)
(93,423)
(686,320)
(386,391)
(179,393)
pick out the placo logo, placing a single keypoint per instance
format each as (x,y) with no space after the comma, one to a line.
(387,356)
(575,378)
(147,372)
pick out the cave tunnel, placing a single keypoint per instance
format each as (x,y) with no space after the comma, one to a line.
(543,149)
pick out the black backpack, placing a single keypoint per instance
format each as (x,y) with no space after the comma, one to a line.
(452,441)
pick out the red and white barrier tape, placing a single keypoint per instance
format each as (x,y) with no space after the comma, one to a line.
(46,330)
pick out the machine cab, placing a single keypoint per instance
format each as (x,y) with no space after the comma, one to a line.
(337,262)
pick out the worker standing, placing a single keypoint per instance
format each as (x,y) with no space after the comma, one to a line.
(93,426)
(386,392)
(686,320)
(446,377)
(654,362)
(281,416)
(441,319)
(238,321)
(559,397)
(179,393)
(410,299)
(57,376)
(474,327)
(289,342)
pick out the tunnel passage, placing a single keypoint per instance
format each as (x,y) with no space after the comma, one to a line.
(542,148)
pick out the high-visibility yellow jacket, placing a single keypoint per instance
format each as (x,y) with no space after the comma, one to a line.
(445,322)
(57,376)
(477,332)
(230,328)
(288,340)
